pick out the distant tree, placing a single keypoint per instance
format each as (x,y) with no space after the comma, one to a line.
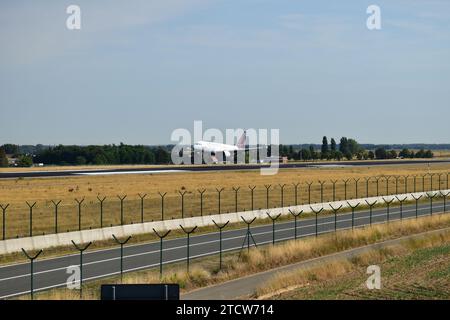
(371,155)
(11,149)
(343,146)
(304,154)
(333,144)
(429,154)
(338,155)
(25,161)
(313,153)
(405,153)
(392,154)
(3,158)
(324,150)
(80,160)
(380,153)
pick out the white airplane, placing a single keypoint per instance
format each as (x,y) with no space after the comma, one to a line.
(215,148)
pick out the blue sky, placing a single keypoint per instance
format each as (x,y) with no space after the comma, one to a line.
(137,70)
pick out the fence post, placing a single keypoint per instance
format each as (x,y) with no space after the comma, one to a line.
(188,233)
(309,191)
(317,213)
(388,204)
(295,221)
(4,207)
(370,208)
(219,193)
(353,213)
(248,235)
(79,212)
(31,206)
(81,250)
(415,183)
(201,192)
(321,190)
(444,195)
(423,181)
(296,185)
(267,186)
(417,203)
(236,191)
(345,188)
(396,184)
(161,238)
(406,183)
(101,209)
(367,186)
(252,190)
(335,210)
(220,227)
(401,206)
(431,181)
(121,208)
(356,187)
(182,194)
(56,204)
(282,186)
(377,179)
(121,243)
(431,197)
(162,195)
(387,184)
(142,197)
(333,182)
(31,258)
(274,219)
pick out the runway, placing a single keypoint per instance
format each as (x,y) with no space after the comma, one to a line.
(51,273)
(209,168)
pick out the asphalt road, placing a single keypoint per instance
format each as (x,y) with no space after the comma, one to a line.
(162,169)
(49,273)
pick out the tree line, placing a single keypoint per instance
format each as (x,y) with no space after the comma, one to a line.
(347,148)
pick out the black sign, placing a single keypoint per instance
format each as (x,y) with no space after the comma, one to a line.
(140,292)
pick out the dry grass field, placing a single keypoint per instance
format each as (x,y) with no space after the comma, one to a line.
(44,190)
(205,272)
(414,270)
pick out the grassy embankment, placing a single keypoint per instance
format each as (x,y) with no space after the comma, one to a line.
(415,269)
